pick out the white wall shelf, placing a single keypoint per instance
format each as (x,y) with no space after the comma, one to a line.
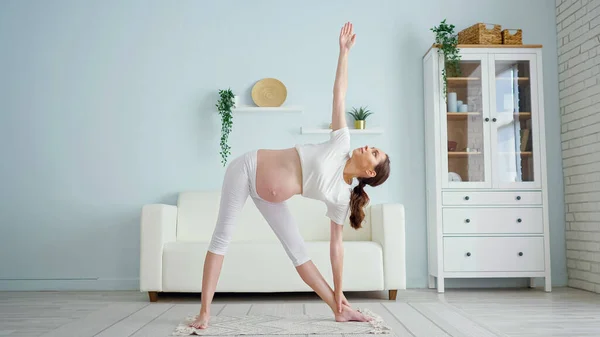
(372,131)
(249,108)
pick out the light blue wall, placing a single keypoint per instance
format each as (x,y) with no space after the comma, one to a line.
(109,105)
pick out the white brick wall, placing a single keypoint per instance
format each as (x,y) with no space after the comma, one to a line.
(578,32)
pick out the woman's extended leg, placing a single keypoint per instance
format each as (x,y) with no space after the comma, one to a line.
(281,221)
(234,193)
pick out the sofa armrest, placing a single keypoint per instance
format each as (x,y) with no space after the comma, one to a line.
(388,229)
(158,226)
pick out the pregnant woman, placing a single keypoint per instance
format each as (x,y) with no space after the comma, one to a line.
(324,172)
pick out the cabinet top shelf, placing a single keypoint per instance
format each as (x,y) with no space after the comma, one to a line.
(457,116)
(482,46)
(495,45)
(454,80)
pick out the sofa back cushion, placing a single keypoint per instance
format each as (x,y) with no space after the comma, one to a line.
(198,211)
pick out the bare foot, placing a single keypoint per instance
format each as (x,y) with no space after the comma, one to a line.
(348,314)
(201,321)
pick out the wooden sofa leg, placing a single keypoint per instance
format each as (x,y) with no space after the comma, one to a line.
(393,294)
(153,296)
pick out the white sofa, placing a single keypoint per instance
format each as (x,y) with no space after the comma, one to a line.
(174,240)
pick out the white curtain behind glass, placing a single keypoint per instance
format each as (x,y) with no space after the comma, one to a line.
(508,131)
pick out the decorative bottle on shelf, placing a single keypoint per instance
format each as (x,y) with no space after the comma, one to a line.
(452,103)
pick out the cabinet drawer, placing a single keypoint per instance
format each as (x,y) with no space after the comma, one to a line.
(485,220)
(491,198)
(493,254)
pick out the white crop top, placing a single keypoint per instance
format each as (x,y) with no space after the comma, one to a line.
(323,173)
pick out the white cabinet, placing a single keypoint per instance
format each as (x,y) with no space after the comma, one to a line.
(486,165)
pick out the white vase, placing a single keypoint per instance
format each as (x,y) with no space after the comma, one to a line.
(235,101)
(452,103)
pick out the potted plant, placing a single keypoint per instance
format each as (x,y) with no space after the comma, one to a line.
(224,105)
(447,41)
(360,116)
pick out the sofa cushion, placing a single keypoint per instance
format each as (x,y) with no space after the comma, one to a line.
(197,215)
(252,267)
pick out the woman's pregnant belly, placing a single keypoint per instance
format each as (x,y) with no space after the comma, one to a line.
(278,174)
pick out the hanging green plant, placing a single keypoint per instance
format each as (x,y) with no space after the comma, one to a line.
(447,42)
(224,106)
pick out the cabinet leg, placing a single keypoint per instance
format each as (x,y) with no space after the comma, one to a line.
(431,282)
(532,282)
(440,284)
(547,285)
(393,294)
(153,296)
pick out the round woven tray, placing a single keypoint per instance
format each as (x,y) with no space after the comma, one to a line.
(269,92)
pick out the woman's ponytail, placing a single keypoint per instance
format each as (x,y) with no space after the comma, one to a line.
(359,198)
(358,201)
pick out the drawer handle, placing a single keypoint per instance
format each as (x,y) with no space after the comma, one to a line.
(467,220)
(467,197)
(518,197)
(468,254)
(519,220)
(520,253)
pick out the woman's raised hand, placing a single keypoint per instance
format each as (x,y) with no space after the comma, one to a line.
(347,37)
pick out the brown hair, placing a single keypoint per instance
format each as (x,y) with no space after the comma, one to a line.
(359,198)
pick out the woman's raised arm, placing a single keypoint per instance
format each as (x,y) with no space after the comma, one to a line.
(340,86)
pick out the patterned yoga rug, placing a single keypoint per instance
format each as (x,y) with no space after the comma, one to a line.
(282,325)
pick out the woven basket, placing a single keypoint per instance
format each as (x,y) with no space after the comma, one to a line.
(508,38)
(479,34)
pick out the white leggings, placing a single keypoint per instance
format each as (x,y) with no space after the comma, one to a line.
(238,184)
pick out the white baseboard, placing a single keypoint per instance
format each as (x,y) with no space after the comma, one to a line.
(69,284)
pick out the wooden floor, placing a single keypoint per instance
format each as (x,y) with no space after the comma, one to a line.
(477,313)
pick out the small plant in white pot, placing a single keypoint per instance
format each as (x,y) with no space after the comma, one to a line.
(360,116)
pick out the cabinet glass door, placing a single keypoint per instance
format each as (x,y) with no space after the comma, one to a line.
(514,121)
(466,109)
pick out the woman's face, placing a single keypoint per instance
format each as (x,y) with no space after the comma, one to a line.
(367,158)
